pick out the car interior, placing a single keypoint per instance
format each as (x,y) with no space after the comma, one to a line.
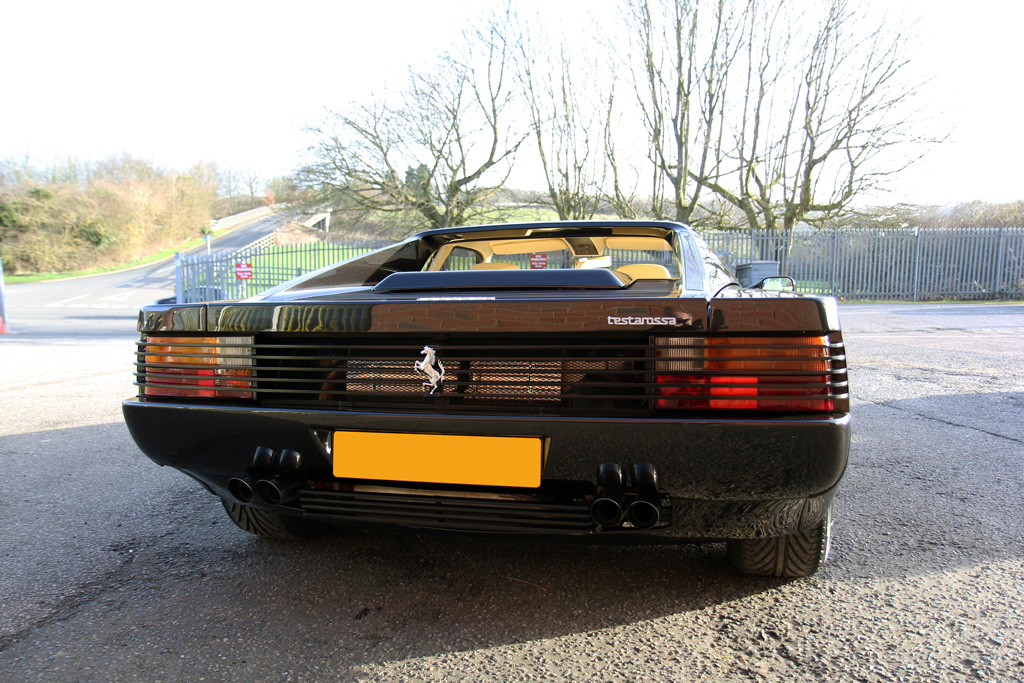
(638,257)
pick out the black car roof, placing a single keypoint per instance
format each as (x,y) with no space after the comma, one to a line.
(565,227)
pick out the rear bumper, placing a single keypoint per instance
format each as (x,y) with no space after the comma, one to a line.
(720,478)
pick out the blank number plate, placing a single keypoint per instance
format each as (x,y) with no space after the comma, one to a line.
(439,458)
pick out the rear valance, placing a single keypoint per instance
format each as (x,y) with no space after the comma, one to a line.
(503,279)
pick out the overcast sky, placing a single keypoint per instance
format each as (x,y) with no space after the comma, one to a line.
(233,82)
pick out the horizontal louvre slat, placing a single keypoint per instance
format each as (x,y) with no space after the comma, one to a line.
(450,513)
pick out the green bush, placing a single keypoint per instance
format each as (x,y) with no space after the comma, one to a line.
(85,216)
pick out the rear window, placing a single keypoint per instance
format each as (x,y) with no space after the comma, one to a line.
(640,256)
(462,259)
(538,260)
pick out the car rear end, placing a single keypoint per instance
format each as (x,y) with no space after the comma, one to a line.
(552,416)
(608,380)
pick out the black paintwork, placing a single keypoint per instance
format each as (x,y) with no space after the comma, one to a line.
(725,462)
(501,279)
(720,476)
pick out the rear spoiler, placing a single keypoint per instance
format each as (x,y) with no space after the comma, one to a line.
(503,279)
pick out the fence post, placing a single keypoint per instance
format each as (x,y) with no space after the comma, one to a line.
(211,278)
(1002,262)
(178,289)
(835,263)
(917,261)
(3,319)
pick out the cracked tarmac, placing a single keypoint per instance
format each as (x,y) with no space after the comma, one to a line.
(112,569)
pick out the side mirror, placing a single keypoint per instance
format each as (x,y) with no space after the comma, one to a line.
(776,284)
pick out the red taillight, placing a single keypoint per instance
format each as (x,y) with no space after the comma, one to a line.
(744,373)
(203,367)
(733,392)
(698,391)
(686,391)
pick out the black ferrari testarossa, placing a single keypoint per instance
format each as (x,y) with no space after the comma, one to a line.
(600,377)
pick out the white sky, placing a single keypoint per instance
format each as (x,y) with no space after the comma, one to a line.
(233,82)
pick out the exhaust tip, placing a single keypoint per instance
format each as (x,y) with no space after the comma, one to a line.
(241,489)
(277,491)
(288,461)
(263,459)
(645,477)
(643,514)
(609,475)
(606,511)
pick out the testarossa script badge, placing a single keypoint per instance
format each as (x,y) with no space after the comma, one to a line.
(629,320)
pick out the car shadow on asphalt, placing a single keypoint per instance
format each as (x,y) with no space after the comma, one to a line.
(942,498)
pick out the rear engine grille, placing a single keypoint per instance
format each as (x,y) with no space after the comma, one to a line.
(621,375)
(533,376)
(444,512)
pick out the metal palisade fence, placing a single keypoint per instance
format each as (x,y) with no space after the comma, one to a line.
(904,264)
(908,264)
(259,266)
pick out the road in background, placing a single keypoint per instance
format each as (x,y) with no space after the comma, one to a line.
(104,307)
(114,569)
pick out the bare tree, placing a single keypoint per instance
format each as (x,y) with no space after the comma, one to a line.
(816,117)
(622,200)
(252,182)
(684,50)
(230,181)
(565,122)
(427,155)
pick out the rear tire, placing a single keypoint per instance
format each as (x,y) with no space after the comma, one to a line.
(273,524)
(799,554)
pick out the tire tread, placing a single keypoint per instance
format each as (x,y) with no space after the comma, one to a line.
(799,554)
(271,524)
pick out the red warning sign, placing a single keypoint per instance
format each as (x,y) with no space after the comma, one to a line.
(538,261)
(243,271)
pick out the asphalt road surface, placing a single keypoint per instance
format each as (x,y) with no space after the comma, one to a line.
(113,569)
(102,308)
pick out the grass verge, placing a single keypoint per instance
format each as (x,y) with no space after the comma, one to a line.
(152,258)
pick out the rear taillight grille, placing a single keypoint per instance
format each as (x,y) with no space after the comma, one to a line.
(617,375)
(195,367)
(751,373)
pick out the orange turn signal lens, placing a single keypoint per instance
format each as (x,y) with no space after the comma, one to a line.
(199,367)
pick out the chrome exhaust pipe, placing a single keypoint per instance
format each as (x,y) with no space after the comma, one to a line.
(643,514)
(645,478)
(242,489)
(263,459)
(288,461)
(606,511)
(645,511)
(277,490)
(609,476)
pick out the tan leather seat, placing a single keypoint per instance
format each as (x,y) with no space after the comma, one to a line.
(495,266)
(645,271)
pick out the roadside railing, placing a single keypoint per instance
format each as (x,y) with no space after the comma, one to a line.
(904,264)
(259,266)
(245,217)
(853,265)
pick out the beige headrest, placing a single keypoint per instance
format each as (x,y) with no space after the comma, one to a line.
(495,266)
(645,271)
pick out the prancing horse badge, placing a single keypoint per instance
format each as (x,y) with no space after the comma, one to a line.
(430,367)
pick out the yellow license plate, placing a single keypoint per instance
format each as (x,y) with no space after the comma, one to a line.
(439,458)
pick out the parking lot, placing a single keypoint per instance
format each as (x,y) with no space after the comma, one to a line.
(114,569)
